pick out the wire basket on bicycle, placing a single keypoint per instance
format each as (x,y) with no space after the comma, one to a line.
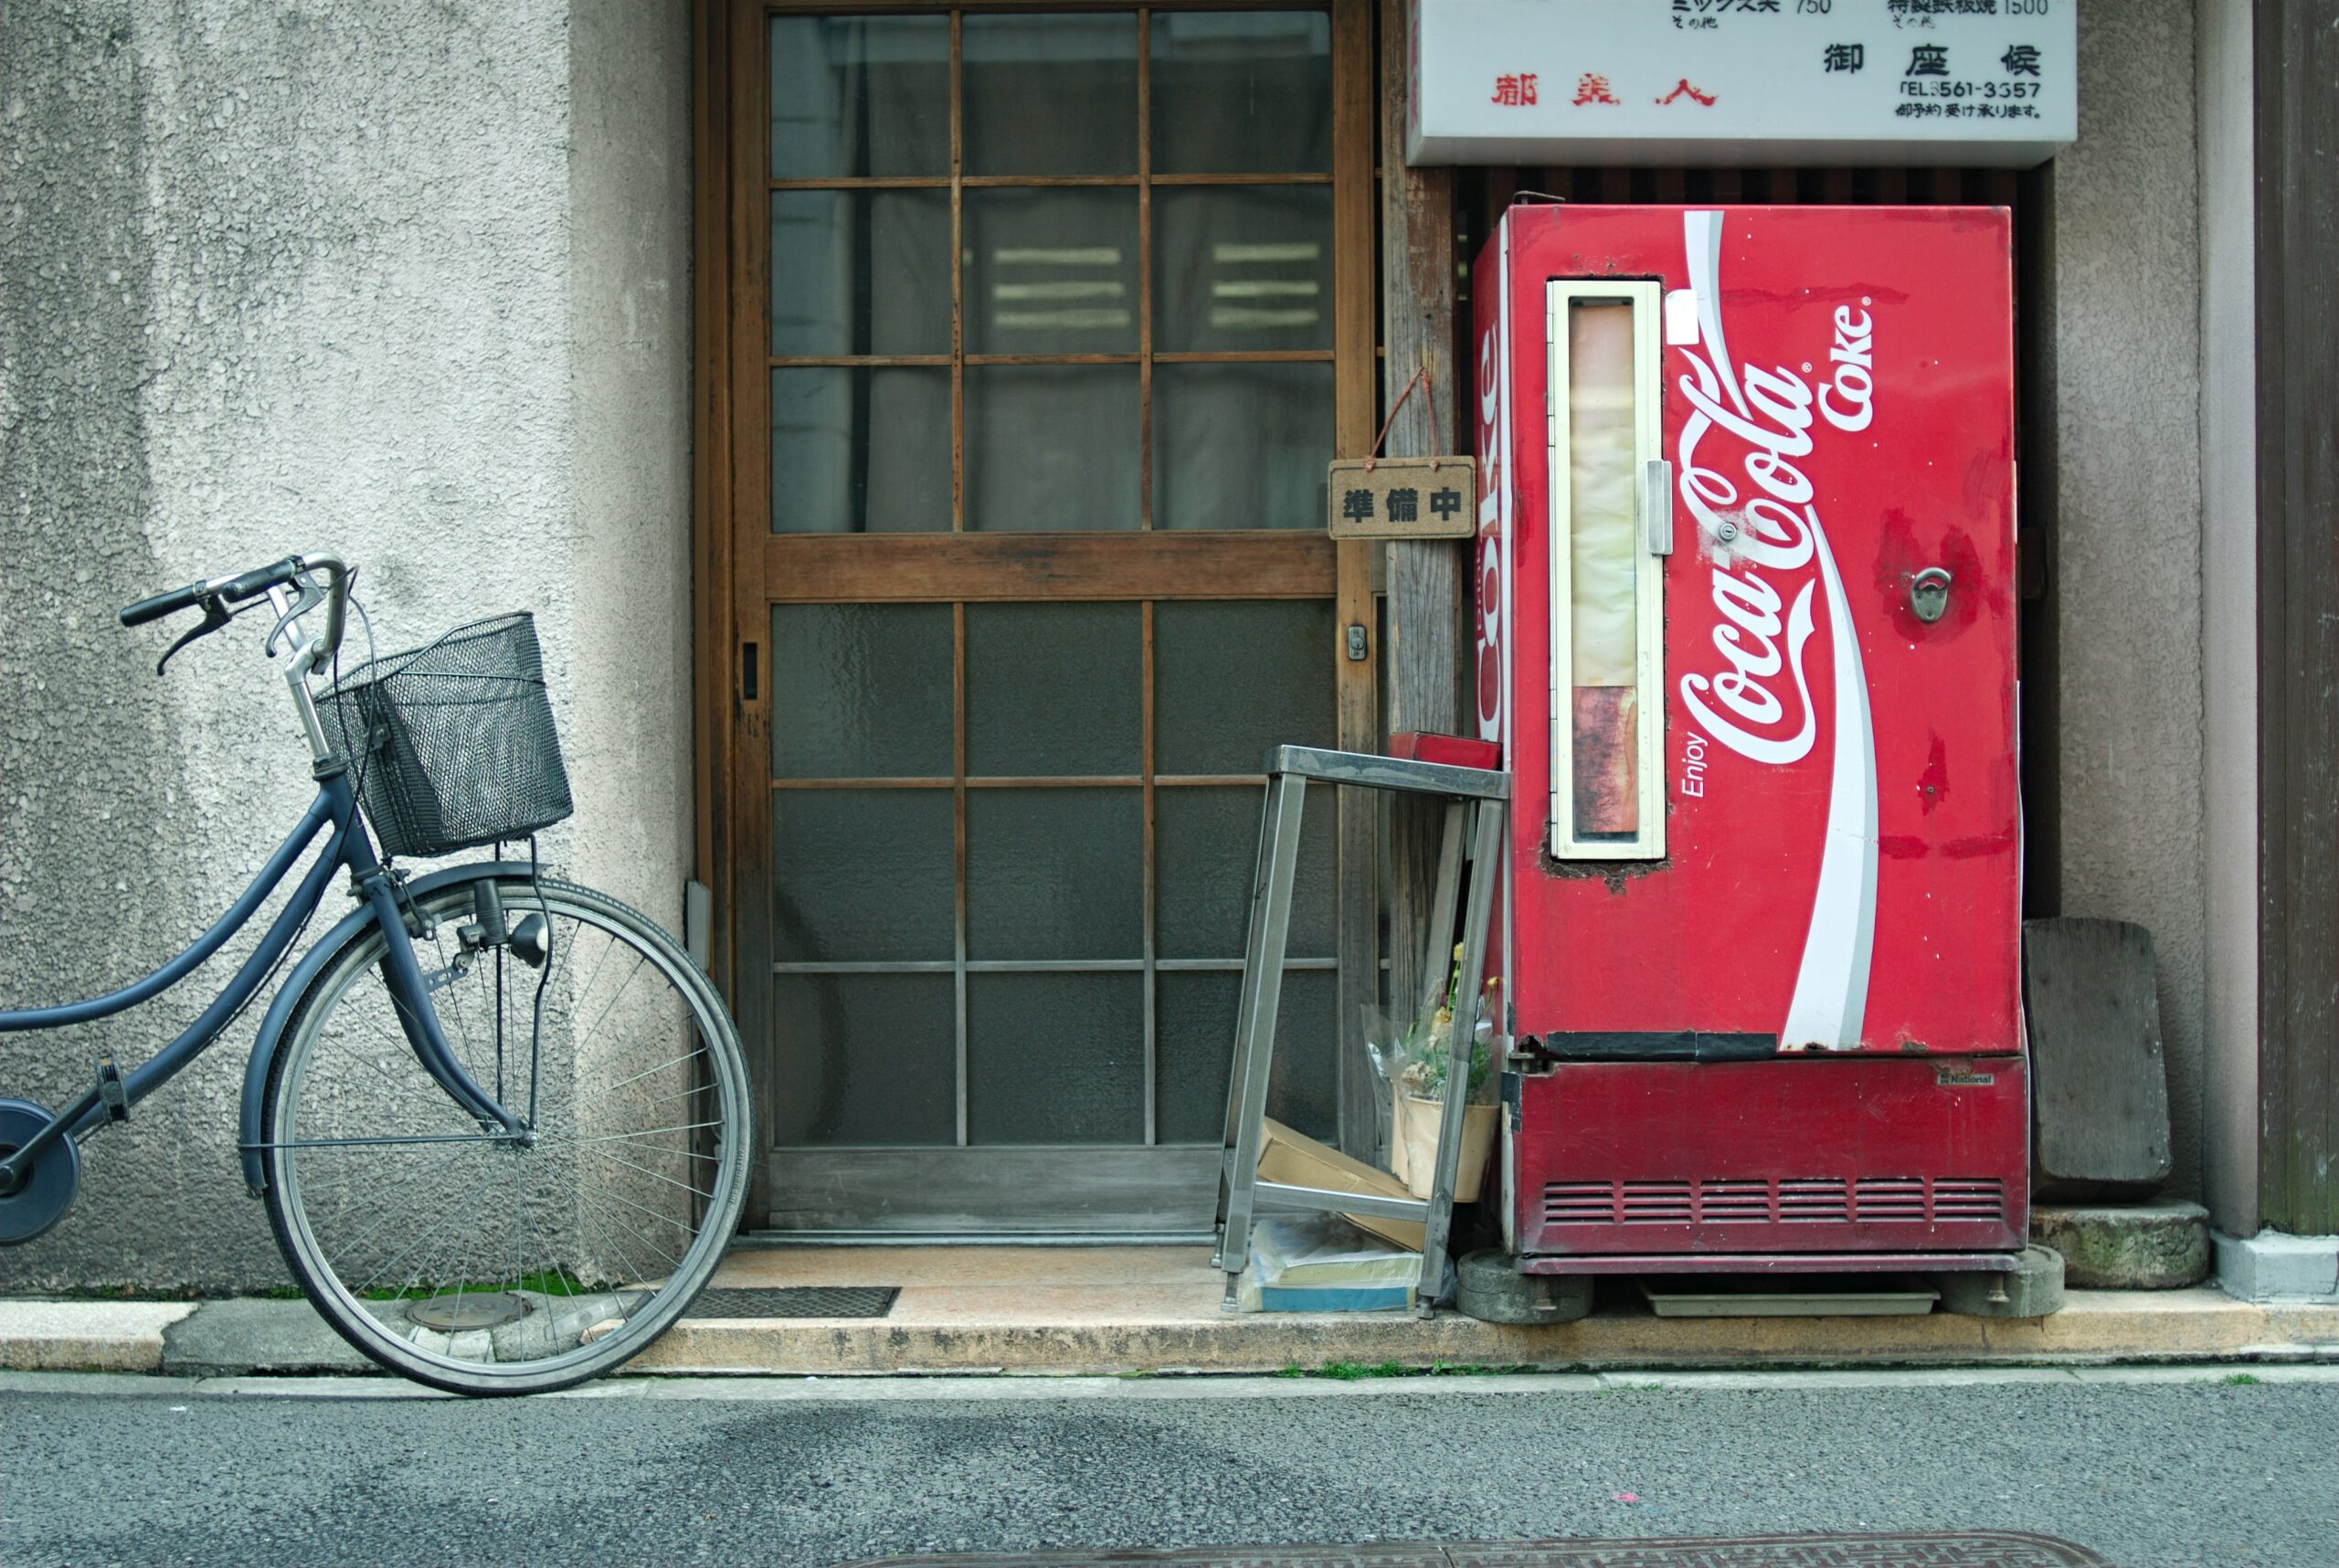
(453,743)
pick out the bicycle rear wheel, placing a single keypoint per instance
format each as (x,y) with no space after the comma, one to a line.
(466,1257)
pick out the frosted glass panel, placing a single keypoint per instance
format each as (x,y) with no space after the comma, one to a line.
(1602,550)
(1055,1058)
(1206,840)
(1054,689)
(1195,1046)
(862,875)
(860,691)
(1056,873)
(864,1059)
(1232,678)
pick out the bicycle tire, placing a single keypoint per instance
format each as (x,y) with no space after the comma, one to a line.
(330,1130)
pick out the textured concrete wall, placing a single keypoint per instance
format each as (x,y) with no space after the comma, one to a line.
(2228,614)
(2128,550)
(630,312)
(302,275)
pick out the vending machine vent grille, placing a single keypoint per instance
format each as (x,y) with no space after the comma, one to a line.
(1791,1200)
(1969,1198)
(1656,1202)
(1883,1198)
(1579,1204)
(1734,1202)
(1814,1200)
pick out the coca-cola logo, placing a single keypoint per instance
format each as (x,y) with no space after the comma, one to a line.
(1491,651)
(1741,456)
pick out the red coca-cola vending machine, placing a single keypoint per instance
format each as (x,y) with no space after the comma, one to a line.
(1746,638)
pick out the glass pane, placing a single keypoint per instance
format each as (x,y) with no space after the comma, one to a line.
(1050,95)
(854,96)
(1056,873)
(860,272)
(1054,688)
(1232,678)
(860,691)
(860,451)
(1601,618)
(1241,446)
(1246,267)
(1051,447)
(1055,1058)
(1205,847)
(862,875)
(864,1059)
(1051,271)
(1194,1050)
(1241,92)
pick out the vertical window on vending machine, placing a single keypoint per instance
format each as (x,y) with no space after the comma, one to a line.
(1611,526)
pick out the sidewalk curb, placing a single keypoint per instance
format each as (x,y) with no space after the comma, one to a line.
(241,1336)
(87,1336)
(1094,1389)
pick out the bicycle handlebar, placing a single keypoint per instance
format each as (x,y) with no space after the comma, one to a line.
(246,585)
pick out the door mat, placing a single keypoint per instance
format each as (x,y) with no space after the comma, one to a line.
(1954,1549)
(796,1301)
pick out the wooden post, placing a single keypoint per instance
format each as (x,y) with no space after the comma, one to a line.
(1422,659)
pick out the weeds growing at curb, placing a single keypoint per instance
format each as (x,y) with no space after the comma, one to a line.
(1350,1372)
(2241,1380)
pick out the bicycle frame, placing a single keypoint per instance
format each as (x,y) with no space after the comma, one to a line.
(349,847)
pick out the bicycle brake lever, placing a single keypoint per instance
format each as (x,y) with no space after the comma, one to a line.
(215,616)
(310,597)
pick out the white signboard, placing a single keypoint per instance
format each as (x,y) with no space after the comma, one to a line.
(1960,82)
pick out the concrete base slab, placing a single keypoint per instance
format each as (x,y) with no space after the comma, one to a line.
(1056,1311)
(86,1336)
(2126,1246)
(2272,1266)
(252,1334)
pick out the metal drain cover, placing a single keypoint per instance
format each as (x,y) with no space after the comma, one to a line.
(460,1314)
(796,1301)
(1954,1549)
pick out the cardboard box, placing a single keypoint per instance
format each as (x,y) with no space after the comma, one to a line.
(1412,1144)
(1301,1162)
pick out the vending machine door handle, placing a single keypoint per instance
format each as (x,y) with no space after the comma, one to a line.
(1657,506)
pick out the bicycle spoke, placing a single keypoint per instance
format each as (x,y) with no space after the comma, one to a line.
(389,1188)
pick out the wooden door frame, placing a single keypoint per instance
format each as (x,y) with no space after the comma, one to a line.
(731,481)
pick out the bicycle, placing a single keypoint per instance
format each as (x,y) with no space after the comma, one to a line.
(493,1163)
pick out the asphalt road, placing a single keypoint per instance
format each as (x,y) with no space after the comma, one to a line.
(2151,1474)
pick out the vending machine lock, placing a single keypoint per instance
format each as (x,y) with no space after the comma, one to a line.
(1929,594)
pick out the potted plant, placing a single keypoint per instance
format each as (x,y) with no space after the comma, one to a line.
(1415,1060)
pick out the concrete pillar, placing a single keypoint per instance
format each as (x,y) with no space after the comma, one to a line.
(2128,545)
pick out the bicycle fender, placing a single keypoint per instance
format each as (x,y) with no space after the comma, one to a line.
(296,986)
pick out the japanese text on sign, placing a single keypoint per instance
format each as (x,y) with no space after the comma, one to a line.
(1719,81)
(1402,498)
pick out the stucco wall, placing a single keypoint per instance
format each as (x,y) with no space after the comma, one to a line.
(302,276)
(2128,541)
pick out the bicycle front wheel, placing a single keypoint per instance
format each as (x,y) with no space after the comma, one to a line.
(469,1258)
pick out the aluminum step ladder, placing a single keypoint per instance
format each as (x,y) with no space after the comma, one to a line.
(1479,792)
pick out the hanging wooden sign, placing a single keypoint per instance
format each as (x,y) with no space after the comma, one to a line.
(1402,498)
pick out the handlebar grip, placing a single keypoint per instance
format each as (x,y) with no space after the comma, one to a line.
(259,579)
(158,606)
